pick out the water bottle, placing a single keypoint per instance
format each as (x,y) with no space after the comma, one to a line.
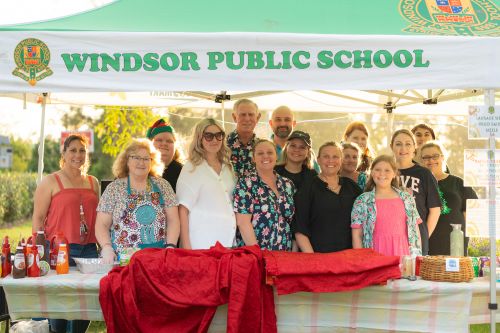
(456,241)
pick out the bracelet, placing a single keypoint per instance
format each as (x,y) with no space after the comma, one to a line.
(170,246)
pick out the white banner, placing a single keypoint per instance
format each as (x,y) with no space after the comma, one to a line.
(484,122)
(476,171)
(120,61)
(477,224)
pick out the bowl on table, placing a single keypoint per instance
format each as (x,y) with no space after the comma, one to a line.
(93,265)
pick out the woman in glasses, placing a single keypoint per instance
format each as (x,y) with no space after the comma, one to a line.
(165,141)
(350,161)
(263,202)
(139,208)
(419,182)
(205,189)
(358,133)
(453,193)
(60,199)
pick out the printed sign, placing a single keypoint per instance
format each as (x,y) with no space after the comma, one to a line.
(476,171)
(89,134)
(478,218)
(484,122)
(452,265)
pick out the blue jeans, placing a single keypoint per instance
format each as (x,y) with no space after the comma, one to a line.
(75,326)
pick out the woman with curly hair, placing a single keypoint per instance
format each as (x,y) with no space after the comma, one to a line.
(139,208)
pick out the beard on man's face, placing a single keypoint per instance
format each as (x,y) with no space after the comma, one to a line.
(283,132)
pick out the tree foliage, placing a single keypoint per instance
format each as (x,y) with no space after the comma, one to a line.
(22,151)
(119,124)
(51,156)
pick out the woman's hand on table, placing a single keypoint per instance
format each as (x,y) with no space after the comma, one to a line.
(108,255)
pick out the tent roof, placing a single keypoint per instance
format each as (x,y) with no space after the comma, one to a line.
(363,17)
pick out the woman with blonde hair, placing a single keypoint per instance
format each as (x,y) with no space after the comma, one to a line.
(139,208)
(358,133)
(296,161)
(204,189)
(59,200)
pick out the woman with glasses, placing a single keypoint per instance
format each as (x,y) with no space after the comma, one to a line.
(263,202)
(139,208)
(419,182)
(60,199)
(454,198)
(323,219)
(165,141)
(296,160)
(205,188)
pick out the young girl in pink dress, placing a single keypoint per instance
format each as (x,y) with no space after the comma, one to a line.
(385,218)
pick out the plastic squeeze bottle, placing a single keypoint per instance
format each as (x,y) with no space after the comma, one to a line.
(19,270)
(62,266)
(33,269)
(6,261)
(456,241)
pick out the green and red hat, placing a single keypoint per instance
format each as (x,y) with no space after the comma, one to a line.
(158,127)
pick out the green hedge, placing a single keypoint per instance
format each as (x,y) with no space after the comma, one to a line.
(16,196)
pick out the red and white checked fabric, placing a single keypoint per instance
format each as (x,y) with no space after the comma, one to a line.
(401,305)
(68,296)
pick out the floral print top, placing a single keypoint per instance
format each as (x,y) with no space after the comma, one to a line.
(241,154)
(364,214)
(126,231)
(271,215)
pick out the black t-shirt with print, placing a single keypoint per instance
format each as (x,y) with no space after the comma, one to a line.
(420,182)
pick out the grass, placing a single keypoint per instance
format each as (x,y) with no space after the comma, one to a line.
(16,231)
(483,328)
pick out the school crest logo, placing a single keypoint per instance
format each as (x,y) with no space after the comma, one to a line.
(451,17)
(32,57)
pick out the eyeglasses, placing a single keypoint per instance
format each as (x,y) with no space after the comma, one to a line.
(210,136)
(434,157)
(138,159)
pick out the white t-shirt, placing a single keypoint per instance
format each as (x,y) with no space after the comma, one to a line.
(209,198)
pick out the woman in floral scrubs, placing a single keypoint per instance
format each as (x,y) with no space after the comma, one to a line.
(263,203)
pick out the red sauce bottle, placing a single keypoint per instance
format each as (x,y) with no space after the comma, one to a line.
(33,263)
(6,261)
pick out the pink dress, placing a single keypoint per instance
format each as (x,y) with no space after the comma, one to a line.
(390,236)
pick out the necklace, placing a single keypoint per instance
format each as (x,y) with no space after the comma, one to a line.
(335,189)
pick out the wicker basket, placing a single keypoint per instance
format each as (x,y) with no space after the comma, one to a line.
(434,268)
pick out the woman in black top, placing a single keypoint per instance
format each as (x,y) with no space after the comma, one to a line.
(324,204)
(419,182)
(296,161)
(454,195)
(163,137)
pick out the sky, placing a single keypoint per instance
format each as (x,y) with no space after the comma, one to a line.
(14,118)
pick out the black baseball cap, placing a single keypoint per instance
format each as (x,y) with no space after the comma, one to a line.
(301,135)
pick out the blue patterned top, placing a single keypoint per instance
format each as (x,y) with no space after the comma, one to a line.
(241,154)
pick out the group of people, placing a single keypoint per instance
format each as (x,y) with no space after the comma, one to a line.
(238,189)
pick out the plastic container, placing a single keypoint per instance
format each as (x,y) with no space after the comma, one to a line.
(93,265)
(41,244)
(62,266)
(55,241)
(6,260)
(19,269)
(33,261)
(456,241)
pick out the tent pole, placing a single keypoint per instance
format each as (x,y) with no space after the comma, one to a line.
(222,116)
(41,145)
(489,97)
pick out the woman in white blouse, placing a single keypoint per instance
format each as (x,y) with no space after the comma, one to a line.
(204,190)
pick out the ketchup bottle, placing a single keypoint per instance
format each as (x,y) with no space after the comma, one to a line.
(33,263)
(6,261)
(62,266)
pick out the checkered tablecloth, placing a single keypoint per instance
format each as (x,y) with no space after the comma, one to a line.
(66,296)
(401,305)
